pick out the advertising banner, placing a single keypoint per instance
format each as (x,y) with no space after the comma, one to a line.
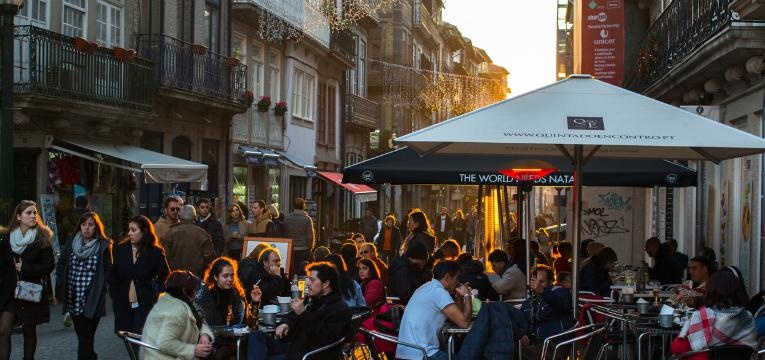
(602,40)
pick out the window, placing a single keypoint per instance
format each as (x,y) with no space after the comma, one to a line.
(256,64)
(361,68)
(109,25)
(184,15)
(274,64)
(75,18)
(34,12)
(326,121)
(212,25)
(303,92)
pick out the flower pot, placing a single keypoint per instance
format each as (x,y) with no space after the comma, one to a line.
(80,44)
(278,112)
(199,49)
(263,108)
(120,53)
(232,61)
(91,47)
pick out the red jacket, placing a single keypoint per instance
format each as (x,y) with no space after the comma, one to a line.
(374,293)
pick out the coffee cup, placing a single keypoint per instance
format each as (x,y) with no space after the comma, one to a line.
(643,307)
(269,314)
(666,320)
(284,303)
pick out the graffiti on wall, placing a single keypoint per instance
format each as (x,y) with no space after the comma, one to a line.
(607,218)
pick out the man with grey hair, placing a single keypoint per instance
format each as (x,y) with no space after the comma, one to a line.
(187,246)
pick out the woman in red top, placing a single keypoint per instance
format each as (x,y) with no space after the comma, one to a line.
(371,286)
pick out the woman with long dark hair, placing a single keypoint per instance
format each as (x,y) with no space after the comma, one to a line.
(221,301)
(174,325)
(350,290)
(371,286)
(722,320)
(595,274)
(235,227)
(138,275)
(82,270)
(420,231)
(31,252)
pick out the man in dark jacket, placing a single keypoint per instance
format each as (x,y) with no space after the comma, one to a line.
(207,221)
(324,319)
(442,225)
(551,307)
(369,225)
(472,272)
(665,270)
(407,272)
(267,271)
(187,246)
(298,226)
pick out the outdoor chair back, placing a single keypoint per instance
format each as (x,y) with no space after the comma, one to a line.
(335,345)
(135,341)
(592,335)
(390,338)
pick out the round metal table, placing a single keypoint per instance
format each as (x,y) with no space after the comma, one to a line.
(653,329)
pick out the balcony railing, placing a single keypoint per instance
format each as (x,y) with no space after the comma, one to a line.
(422,21)
(361,111)
(259,128)
(682,28)
(300,14)
(46,63)
(344,43)
(205,74)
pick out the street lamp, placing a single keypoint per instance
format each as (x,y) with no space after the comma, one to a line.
(8,9)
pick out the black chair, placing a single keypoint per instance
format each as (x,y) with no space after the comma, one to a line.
(359,315)
(332,346)
(594,349)
(133,341)
(723,352)
(390,338)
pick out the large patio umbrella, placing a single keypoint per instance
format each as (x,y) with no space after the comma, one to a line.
(581,117)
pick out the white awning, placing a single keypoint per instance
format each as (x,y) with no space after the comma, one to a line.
(156,167)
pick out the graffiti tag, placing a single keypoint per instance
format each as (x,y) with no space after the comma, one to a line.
(614,201)
(598,227)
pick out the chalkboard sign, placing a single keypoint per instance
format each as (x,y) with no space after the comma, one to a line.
(48,214)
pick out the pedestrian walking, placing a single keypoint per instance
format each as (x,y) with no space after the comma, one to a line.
(389,240)
(138,275)
(172,207)
(459,228)
(187,246)
(369,225)
(298,226)
(31,253)
(207,221)
(233,229)
(419,231)
(443,225)
(82,270)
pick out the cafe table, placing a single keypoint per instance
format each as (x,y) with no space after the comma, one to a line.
(653,329)
(627,318)
(450,330)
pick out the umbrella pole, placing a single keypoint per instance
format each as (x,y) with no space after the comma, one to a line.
(575,230)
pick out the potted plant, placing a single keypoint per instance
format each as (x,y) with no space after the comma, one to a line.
(264,103)
(250,96)
(199,49)
(91,47)
(232,61)
(280,108)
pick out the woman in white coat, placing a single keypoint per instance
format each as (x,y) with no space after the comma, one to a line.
(174,326)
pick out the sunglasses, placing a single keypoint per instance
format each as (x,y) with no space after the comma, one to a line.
(174,209)
(366,252)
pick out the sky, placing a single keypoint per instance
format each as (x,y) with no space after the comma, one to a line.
(517,34)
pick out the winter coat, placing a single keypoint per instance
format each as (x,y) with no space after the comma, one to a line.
(495,330)
(148,275)
(162,226)
(324,321)
(374,293)
(7,272)
(382,268)
(188,247)
(407,279)
(595,280)
(212,305)
(472,273)
(37,263)
(395,239)
(298,226)
(172,328)
(95,298)
(233,243)
(512,283)
(369,227)
(261,226)
(423,237)
(666,271)
(553,312)
(213,227)
(250,271)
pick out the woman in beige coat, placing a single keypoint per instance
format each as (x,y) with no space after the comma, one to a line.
(174,326)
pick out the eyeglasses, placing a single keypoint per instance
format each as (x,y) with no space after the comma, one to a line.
(174,209)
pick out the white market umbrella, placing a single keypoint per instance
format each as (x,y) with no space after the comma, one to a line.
(583,117)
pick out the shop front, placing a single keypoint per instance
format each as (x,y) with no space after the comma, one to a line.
(256,175)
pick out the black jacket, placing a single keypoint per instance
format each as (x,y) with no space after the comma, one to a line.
(426,239)
(472,273)
(148,274)
(250,271)
(95,300)
(405,278)
(212,305)
(324,321)
(213,227)
(494,332)
(666,271)
(37,263)
(395,239)
(7,272)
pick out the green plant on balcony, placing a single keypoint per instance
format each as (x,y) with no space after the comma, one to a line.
(648,58)
(264,103)
(280,108)
(249,97)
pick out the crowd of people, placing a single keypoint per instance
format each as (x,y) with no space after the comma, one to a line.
(177,279)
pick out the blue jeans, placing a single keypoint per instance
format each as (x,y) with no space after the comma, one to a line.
(440,355)
(261,346)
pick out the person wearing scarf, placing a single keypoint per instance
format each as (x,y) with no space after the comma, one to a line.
(31,250)
(722,320)
(82,270)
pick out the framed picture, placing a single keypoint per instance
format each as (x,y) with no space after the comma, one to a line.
(283,244)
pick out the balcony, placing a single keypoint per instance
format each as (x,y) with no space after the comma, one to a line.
(342,46)
(48,71)
(749,9)
(300,15)
(192,75)
(361,112)
(259,128)
(423,23)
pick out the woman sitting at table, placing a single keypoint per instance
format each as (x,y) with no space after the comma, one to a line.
(371,286)
(700,269)
(349,289)
(595,274)
(721,320)
(220,302)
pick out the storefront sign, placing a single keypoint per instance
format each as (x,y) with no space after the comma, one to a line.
(602,39)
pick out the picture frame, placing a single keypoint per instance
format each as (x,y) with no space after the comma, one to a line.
(283,244)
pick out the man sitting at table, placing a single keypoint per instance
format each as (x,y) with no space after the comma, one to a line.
(700,269)
(322,321)
(428,309)
(552,306)
(665,270)
(512,281)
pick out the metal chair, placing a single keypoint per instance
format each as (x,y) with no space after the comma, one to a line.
(132,339)
(593,349)
(331,346)
(723,352)
(395,340)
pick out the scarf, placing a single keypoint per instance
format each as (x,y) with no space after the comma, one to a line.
(82,249)
(711,327)
(20,242)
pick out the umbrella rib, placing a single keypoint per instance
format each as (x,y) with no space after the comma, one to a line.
(565,152)
(435,149)
(706,155)
(592,152)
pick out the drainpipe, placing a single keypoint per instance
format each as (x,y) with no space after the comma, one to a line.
(762,181)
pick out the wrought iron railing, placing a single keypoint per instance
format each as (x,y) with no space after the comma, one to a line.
(47,63)
(422,21)
(203,73)
(361,111)
(684,26)
(344,43)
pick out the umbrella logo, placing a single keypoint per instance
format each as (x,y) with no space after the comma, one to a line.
(671,178)
(367,176)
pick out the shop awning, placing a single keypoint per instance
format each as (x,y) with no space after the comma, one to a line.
(361,193)
(259,156)
(295,162)
(156,167)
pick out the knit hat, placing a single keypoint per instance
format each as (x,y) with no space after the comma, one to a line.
(417,251)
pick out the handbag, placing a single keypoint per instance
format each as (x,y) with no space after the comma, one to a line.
(28,291)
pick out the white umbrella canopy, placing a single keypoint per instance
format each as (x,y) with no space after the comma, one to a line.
(581,110)
(583,117)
